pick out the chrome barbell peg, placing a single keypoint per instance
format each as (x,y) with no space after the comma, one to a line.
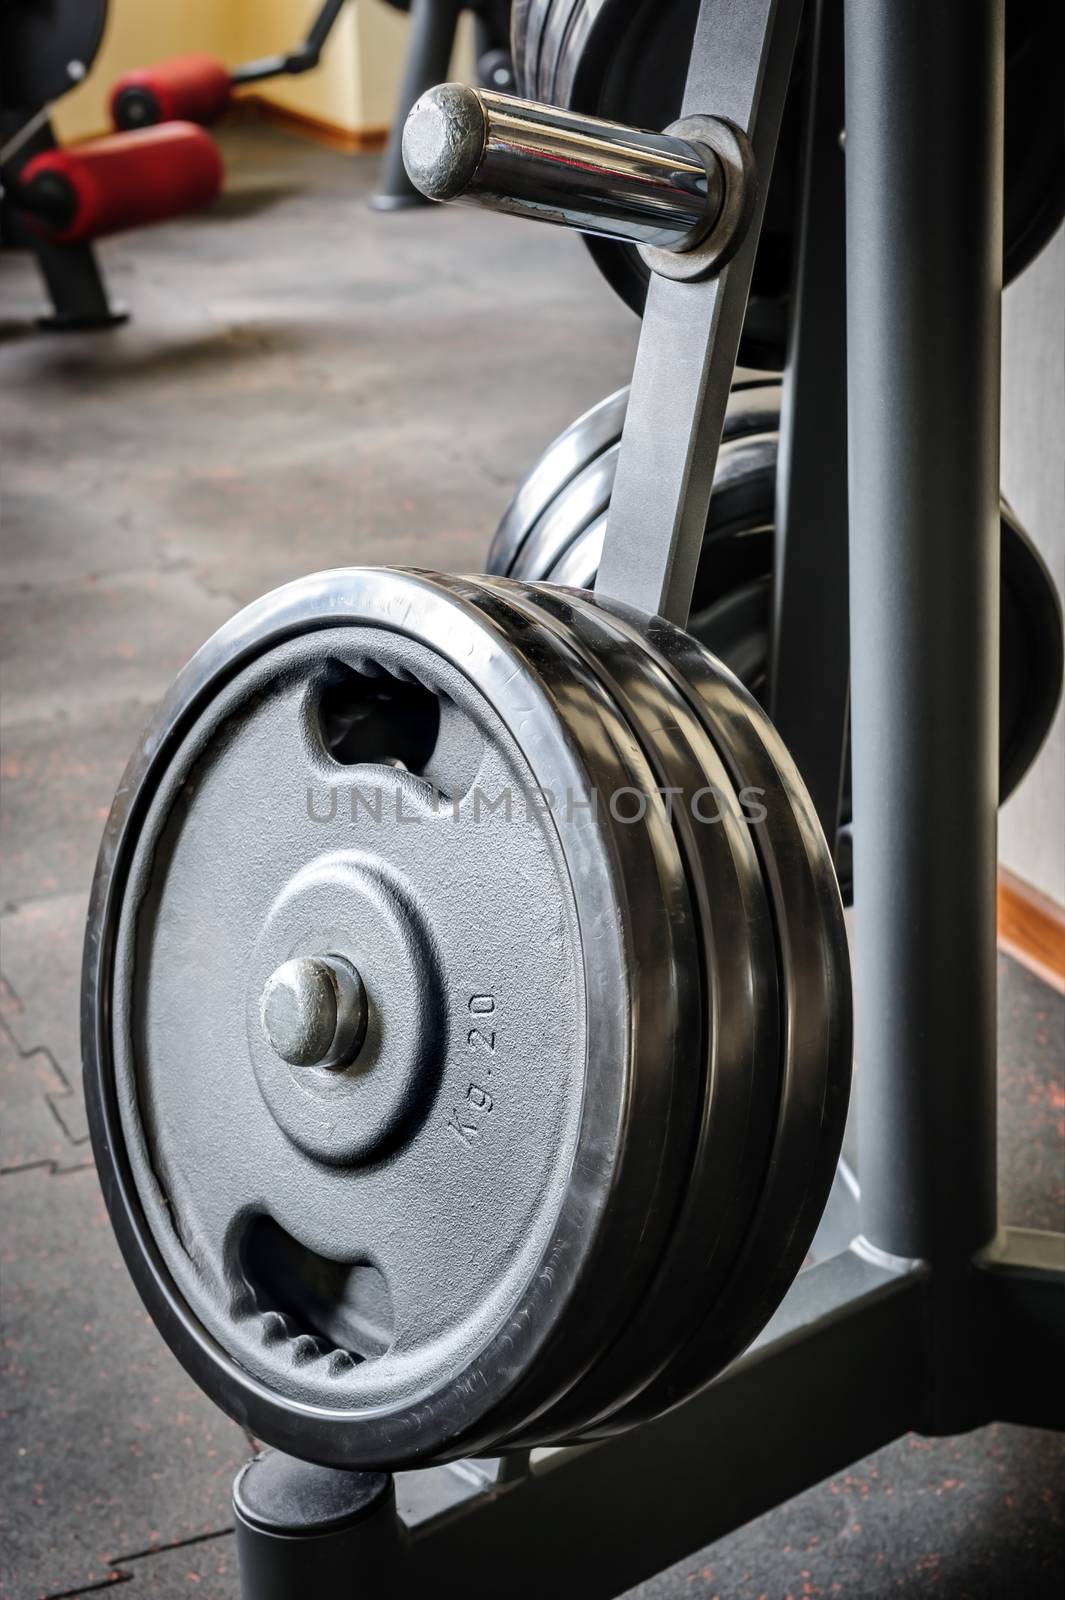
(678,194)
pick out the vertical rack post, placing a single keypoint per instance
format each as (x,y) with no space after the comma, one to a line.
(924,274)
(809,664)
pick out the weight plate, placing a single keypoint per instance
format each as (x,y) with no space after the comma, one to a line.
(1031,652)
(519,41)
(732,1132)
(738,624)
(815,986)
(626,60)
(752,408)
(559,22)
(39,42)
(578,567)
(681,1053)
(1034,192)
(567,455)
(737,543)
(732,602)
(584,499)
(374,1264)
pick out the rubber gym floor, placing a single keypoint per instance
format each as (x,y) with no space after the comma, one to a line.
(305,384)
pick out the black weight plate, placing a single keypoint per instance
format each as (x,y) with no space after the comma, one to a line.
(520,24)
(252,1210)
(567,455)
(680,1050)
(626,60)
(578,567)
(738,551)
(1031,653)
(560,21)
(568,537)
(1031,646)
(39,39)
(583,501)
(526,27)
(1034,194)
(735,628)
(752,408)
(816,1018)
(742,1079)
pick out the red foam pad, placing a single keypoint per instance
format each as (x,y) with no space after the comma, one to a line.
(187,89)
(130,179)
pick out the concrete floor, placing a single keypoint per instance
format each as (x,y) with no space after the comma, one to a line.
(304,385)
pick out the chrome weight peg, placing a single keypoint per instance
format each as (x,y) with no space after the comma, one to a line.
(626,60)
(683,196)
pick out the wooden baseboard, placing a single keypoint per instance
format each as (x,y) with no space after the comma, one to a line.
(256,108)
(1031,927)
(350,141)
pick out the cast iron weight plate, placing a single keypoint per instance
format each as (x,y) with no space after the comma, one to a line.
(292,1272)
(742,1072)
(648,1234)
(559,540)
(816,1013)
(752,408)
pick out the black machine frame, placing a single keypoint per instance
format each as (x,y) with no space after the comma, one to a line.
(71,273)
(933,1317)
(45,53)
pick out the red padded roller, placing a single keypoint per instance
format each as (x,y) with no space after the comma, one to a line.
(124,181)
(187,89)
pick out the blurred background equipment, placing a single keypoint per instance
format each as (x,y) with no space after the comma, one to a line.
(56,201)
(199,88)
(159,164)
(432,41)
(126,181)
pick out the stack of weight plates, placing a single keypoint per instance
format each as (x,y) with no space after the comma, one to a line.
(553,531)
(466,1017)
(626,60)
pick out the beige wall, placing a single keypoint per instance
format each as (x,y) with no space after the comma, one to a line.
(331,93)
(137,34)
(354,88)
(382,39)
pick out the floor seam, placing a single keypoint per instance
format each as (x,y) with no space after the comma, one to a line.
(116,1564)
(51,1167)
(25,1054)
